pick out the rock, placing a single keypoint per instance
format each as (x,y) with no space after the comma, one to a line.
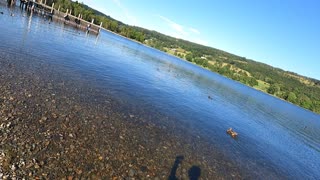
(184,171)
(54,115)
(131,116)
(143,168)
(9,125)
(79,172)
(70,169)
(132,172)
(43,119)
(13,167)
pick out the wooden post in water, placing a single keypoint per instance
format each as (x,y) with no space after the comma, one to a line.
(92,21)
(45,2)
(11,2)
(67,11)
(52,8)
(70,11)
(100,27)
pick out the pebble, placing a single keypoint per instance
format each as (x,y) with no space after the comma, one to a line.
(13,167)
(132,172)
(54,115)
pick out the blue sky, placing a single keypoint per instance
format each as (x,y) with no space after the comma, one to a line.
(281,33)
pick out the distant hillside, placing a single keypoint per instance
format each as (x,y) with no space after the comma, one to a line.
(297,89)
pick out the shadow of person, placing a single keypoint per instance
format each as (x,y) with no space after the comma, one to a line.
(194,173)
(174,168)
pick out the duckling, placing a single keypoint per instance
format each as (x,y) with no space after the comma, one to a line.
(232,133)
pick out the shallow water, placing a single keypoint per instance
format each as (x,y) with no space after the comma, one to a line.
(273,134)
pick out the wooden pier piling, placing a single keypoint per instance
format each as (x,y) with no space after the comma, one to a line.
(100,27)
(52,8)
(66,17)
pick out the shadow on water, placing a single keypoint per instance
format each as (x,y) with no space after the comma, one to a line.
(193,173)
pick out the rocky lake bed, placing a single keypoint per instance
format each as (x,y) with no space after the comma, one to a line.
(54,127)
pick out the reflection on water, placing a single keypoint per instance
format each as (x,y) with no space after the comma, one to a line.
(272,133)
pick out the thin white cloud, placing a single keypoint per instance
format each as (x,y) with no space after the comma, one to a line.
(132,19)
(175,26)
(184,32)
(194,30)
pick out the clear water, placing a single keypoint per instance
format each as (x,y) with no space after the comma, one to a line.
(272,133)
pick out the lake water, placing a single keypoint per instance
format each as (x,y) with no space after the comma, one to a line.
(273,134)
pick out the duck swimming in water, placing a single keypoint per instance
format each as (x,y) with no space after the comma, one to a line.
(232,133)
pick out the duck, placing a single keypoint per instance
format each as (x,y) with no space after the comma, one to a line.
(1,12)
(232,133)
(209,97)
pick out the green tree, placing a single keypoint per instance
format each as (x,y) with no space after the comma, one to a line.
(273,89)
(291,97)
(189,57)
(113,26)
